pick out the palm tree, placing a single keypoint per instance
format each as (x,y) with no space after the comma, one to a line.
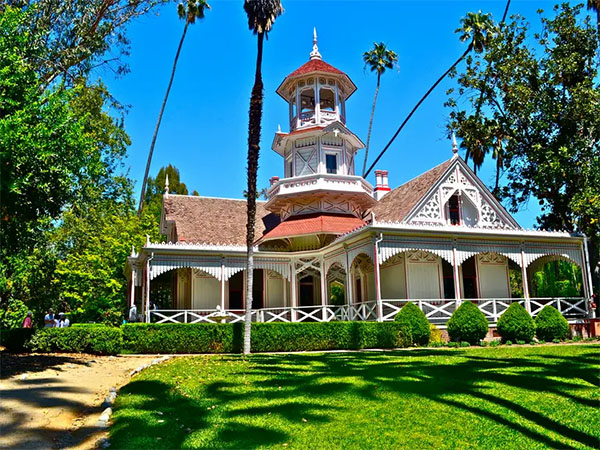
(378,60)
(192,10)
(478,28)
(261,16)
(594,5)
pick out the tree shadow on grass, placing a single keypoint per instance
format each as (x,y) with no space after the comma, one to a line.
(308,387)
(468,379)
(157,415)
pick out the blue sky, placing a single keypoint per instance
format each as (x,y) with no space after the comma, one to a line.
(204,129)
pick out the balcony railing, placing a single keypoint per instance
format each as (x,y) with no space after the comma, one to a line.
(324,181)
(437,311)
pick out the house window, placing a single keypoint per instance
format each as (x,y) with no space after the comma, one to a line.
(331,163)
(326,100)
(454,210)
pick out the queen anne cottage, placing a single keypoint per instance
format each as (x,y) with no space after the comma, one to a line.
(331,247)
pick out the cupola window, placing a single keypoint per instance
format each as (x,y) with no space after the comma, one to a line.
(326,100)
(307,100)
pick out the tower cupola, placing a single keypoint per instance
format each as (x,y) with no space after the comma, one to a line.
(316,92)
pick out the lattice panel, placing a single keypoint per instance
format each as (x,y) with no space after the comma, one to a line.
(431,212)
(307,161)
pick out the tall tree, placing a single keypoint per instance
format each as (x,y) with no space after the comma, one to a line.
(544,108)
(261,17)
(156,189)
(78,36)
(192,10)
(478,29)
(594,5)
(378,60)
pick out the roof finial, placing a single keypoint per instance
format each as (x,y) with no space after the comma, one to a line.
(279,128)
(167,184)
(454,145)
(315,51)
(132,250)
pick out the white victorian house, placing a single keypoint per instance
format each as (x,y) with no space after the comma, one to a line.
(437,240)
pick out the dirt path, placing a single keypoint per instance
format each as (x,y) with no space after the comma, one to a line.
(54,401)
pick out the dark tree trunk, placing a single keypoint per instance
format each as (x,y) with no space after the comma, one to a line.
(162,110)
(371,124)
(254,128)
(439,80)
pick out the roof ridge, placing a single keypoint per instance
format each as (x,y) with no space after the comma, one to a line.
(214,198)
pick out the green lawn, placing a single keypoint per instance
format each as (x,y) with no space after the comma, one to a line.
(506,397)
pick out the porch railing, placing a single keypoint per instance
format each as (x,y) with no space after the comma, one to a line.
(437,311)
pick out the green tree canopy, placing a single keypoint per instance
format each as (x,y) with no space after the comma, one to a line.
(540,114)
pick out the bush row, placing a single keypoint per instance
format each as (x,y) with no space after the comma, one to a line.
(266,337)
(468,324)
(94,339)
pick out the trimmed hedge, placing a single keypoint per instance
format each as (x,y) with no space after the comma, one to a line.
(515,324)
(415,319)
(182,338)
(467,324)
(15,339)
(307,336)
(550,324)
(266,337)
(81,339)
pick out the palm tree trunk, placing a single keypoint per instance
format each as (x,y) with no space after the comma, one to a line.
(162,110)
(371,123)
(417,107)
(255,117)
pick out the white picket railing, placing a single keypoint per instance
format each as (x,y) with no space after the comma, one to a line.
(437,311)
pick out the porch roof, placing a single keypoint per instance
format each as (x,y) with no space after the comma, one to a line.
(314,224)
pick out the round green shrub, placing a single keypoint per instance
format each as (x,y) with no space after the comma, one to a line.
(550,324)
(412,315)
(467,324)
(515,324)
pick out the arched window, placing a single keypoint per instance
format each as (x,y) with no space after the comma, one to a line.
(453,212)
(326,100)
(307,100)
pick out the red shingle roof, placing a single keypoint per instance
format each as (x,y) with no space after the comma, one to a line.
(206,220)
(315,65)
(400,201)
(314,224)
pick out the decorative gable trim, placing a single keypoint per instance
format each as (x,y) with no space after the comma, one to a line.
(458,177)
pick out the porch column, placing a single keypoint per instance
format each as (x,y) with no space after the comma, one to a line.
(147,286)
(132,291)
(586,274)
(378,279)
(525,282)
(323,292)
(349,288)
(293,298)
(456,275)
(222,284)
(284,283)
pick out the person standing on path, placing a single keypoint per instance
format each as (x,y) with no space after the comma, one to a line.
(27,323)
(49,319)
